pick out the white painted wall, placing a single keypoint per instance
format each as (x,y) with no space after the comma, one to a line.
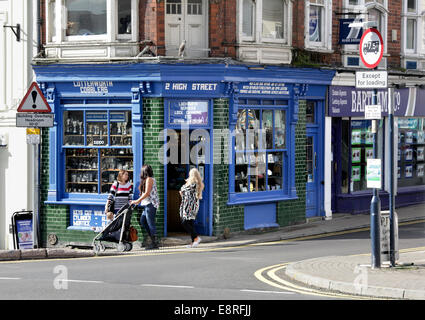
(15,77)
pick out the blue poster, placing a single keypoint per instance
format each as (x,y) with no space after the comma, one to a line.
(25,234)
(188,112)
(87,216)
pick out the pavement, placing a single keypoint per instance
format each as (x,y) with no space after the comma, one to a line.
(351,275)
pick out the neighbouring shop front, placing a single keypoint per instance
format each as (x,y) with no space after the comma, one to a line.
(255,135)
(352,144)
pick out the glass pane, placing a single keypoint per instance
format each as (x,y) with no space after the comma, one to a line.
(124,16)
(268,129)
(310,159)
(241,173)
(73,128)
(411,34)
(310,111)
(174,6)
(253,122)
(280,129)
(52,19)
(247,20)
(353,2)
(112,161)
(315,24)
(120,128)
(86,17)
(81,167)
(274,170)
(194,7)
(257,166)
(273,19)
(411,6)
(97,129)
(375,15)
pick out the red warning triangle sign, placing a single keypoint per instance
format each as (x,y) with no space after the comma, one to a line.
(34,101)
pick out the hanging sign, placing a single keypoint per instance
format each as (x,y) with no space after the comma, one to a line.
(371,48)
(34,101)
(347,34)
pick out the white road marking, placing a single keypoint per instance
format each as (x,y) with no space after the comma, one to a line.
(167,286)
(5,278)
(260,291)
(82,281)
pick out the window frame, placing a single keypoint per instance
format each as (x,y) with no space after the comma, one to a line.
(326,26)
(285,192)
(112,24)
(406,16)
(64,195)
(258,24)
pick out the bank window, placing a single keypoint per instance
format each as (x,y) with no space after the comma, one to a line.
(97,145)
(411,152)
(260,153)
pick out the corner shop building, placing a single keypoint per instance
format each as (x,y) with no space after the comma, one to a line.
(119,116)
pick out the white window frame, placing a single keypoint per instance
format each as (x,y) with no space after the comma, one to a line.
(326,27)
(253,22)
(418,17)
(258,23)
(111,24)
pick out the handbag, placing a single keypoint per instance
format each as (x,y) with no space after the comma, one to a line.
(133,234)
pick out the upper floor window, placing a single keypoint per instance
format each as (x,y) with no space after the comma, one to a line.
(80,20)
(410,25)
(264,20)
(318,24)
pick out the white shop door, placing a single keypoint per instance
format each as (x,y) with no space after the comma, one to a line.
(186,20)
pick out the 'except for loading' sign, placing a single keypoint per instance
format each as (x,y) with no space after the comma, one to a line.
(34,101)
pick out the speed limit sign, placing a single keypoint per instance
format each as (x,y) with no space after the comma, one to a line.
(371,48)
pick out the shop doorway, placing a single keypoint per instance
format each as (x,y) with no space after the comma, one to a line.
(186,20)
(314,161)
(193,152)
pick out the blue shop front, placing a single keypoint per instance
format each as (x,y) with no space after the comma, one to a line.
(352,145)
(178,116)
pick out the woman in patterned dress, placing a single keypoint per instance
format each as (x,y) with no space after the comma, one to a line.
(191,193)
(149,202)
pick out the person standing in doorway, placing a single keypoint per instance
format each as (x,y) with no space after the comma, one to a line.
(149,201)
(191,193)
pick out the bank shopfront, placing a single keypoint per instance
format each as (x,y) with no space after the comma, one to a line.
(244,129)
(352,145)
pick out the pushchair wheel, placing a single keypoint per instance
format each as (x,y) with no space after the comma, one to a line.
(121,247)
(128,246)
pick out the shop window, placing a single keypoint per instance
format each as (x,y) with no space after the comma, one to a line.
(411,152)
(260,150)
(97,145)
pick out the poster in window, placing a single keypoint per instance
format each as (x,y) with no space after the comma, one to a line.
(355,173)
(399,155)
(421,137)
(408,154)
(398,173)
(420,170)
(369,153)
(368,137)
(420,154)
(356,136)
(409,137)
(356,155)
(408,171)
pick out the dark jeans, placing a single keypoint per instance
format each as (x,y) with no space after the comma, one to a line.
(188,225)
(147,220)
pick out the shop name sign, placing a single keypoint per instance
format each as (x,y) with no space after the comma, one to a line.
(192,87)
(263,88)
(93,87)
(371,79)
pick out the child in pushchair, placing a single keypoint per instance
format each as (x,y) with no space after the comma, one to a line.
(118,231)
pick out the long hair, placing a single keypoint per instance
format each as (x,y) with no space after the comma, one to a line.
(195,177)
(145,173)
(121,175)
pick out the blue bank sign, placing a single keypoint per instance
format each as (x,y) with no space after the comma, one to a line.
(347,34)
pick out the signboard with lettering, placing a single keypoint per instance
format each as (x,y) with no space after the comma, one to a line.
(347,34)
(263,88)
(350,102)
(87,216)
(188,112)
(209,88)
(373,173)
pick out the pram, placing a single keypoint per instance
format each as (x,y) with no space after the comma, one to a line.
(117,231)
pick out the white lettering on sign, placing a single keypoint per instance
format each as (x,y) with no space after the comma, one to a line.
(176,86)
(93,87)
(264,88)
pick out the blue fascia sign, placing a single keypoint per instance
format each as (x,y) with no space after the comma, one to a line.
(347,34)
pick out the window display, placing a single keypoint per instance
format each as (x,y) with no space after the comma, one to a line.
(411,152)
(259,150)
(98,145)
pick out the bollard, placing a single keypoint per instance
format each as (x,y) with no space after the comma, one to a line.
(375,229)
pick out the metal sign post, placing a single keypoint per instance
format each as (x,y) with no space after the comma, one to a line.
(392,178)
